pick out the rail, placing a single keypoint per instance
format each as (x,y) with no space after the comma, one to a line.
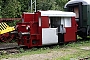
(9,19)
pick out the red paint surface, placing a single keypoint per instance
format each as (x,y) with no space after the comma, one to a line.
(28,17)
(35,35)
(36,30)
(71,31)
(45,21)
(21,27)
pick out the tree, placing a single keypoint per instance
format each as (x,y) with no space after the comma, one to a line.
(14,8)
(44,4)
(50,4)
(11,9)
(61,3)
(0,8)
(24,5)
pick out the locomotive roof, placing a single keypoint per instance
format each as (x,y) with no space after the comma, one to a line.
(57,13)
(84,2)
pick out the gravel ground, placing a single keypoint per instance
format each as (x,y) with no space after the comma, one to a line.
(48,56)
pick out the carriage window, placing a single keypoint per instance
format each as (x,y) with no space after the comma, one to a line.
(55,22)
(66,21)
(76,10)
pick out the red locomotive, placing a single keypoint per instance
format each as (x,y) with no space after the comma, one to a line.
(51,27)
(46,27)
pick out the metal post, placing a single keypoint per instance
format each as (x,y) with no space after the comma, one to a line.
(33,2)
(31,5)
(35,5)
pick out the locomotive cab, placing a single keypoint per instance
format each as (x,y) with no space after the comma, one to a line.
(82,10)
(46,28)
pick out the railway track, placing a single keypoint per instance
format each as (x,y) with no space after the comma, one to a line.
(5,46)
(9,48)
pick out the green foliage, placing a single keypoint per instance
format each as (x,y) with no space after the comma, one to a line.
(21,50)
(25,5)
(61,3)
(15,8)
(44,5)
(13,23)
(50,4)
(11,9)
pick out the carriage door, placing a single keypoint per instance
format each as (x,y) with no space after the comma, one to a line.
(57,23)
(76,8)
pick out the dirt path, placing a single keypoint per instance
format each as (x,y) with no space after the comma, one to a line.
(48,56)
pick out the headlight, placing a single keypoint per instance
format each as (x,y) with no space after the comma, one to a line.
(27,27)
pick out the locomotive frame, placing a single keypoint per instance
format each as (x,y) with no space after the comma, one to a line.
(46,27)
(54,27)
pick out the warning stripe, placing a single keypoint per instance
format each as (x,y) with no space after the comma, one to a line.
(0,28)
(3,26)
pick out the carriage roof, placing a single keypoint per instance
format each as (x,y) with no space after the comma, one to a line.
(57,13)
(84,2)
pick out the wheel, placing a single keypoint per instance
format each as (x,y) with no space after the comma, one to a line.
(6,37)
(82,35)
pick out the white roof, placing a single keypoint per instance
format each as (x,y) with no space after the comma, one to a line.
(84,2)
(57,13)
